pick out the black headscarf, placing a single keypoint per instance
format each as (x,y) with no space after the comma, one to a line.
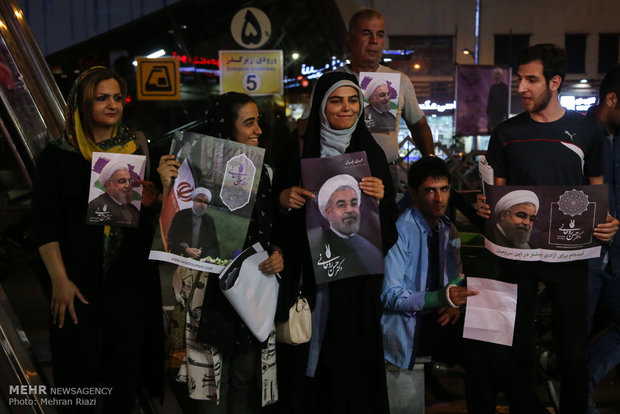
(356,383)
(361,140)
(221,117)
(220,325)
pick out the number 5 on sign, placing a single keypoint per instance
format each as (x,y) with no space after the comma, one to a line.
(251,82)
(255,72)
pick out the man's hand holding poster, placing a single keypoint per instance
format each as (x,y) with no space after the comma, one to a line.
(342,222)
(546,223)
(205,219)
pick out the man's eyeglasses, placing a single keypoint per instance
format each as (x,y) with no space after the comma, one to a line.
(123,181)
(382,94)
(197,200)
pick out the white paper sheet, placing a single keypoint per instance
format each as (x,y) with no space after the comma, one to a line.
(490,315)
(252,293)
(485,170)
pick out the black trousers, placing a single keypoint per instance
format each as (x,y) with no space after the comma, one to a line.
(513,369)
(441,343)
(93,354)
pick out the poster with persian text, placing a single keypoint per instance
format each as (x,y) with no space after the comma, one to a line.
(206,216)
(342,222)
(115,196)
(380,100)
(546,223)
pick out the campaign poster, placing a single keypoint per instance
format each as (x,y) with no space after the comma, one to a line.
(115,195)
(206,216)
(546,223)
(342,222)
(482,98)
(380,100)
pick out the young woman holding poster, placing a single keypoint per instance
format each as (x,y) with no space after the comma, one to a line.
(342,369)
(231,355)
(106,299)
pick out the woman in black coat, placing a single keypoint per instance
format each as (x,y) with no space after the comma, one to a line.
(106,311)
(243,382)
(342,370)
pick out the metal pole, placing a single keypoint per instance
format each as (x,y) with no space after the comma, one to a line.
(477,32)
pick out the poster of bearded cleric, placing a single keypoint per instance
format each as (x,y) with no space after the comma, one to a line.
(380,100)
(342,222)
(482,98)
(206,216)
(546,223)
(115,193)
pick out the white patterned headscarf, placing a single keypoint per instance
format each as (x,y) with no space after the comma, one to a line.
(335,141)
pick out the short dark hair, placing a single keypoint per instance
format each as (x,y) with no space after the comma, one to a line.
(363,14)
(427,166)
(610,83)
(552,57)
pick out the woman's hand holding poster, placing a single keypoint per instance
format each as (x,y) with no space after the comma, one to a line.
(342,222)
(546,223)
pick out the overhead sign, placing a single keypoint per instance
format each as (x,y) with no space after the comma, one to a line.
(158,79)
(250,27)
(255,72)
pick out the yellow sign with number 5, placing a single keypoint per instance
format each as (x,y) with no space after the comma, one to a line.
(255,72)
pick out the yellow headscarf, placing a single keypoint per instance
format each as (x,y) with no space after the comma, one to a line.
(123,139)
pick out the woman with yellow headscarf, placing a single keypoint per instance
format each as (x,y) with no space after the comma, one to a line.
(106,326)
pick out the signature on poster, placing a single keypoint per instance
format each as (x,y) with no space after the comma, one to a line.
(332,265)
(354,162)
(237,185)
(239,176)
(103,215)
(571,233)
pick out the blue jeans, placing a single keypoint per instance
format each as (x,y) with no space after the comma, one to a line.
(604,352)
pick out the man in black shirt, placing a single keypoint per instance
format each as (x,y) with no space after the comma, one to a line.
(545,145)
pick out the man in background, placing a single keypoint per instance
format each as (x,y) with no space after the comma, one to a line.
(365,40)
(497,102)
(420,294)
(544,145)
(604,271)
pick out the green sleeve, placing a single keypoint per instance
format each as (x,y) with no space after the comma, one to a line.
(437,298)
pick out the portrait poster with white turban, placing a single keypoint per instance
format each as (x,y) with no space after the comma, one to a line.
(546,223)
(206,216)
(380,91)
(482,98)
(115,195)
(341,221)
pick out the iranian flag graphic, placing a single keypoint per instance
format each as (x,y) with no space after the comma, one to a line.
(180,198)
